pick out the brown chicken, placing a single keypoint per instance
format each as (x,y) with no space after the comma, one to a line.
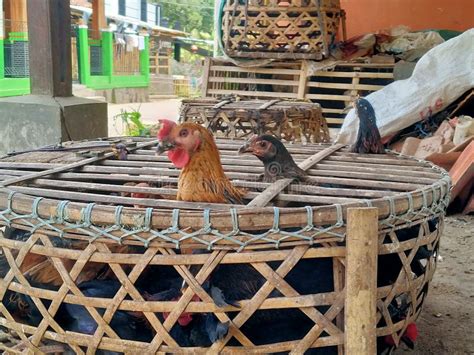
(192,148)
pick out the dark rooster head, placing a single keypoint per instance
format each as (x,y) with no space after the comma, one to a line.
(182,141)
(368,137)
(265,147)
(277,161)
(364,108)
(121,152)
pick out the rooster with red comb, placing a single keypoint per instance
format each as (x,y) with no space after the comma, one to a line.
(192,148)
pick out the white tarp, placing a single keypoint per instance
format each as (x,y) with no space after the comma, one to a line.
(440,77)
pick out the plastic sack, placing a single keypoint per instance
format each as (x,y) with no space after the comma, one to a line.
(412,40)
(441,76)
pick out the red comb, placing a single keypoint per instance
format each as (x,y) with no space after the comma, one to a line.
(412,332)
(166,127)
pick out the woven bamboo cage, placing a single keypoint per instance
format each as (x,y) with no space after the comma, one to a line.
(292,29)
(292,121)
(78,212)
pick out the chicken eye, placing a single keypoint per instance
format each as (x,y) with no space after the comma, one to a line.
(263,144)
(183,133)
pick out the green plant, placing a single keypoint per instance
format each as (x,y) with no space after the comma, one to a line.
(133,124)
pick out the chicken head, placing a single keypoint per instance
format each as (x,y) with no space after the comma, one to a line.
(260,146)
(181,141)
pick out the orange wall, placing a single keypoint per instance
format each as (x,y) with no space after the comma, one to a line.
(364,16)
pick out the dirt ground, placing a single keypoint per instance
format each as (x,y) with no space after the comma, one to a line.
(446,324)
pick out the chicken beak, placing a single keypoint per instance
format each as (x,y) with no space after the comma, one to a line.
(246,148)
(164,146)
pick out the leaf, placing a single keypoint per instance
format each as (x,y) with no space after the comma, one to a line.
(133,124)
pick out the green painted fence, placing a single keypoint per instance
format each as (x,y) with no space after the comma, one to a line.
(109,80)
(12,86)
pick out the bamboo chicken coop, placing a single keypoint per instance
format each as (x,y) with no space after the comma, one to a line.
(79,211)
(292,121)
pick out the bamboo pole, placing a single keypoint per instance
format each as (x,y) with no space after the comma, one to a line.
(303,80)
(361,281)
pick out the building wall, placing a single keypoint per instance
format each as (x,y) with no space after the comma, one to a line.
(111,7)
(364,16)
(151,14)
(132,9)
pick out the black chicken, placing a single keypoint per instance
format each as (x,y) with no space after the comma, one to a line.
(389,268)
(41,273)
(368,137)
(390,265)
(197,330)
(192,329)
(277,161)
(242,282)
(231,283)
(78,319)
(398,309)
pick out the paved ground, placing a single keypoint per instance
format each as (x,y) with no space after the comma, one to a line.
(151,112)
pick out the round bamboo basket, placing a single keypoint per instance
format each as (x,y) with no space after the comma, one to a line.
(274,29)
(292,121)
(79,212)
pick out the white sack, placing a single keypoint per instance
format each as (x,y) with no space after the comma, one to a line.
(440,77)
